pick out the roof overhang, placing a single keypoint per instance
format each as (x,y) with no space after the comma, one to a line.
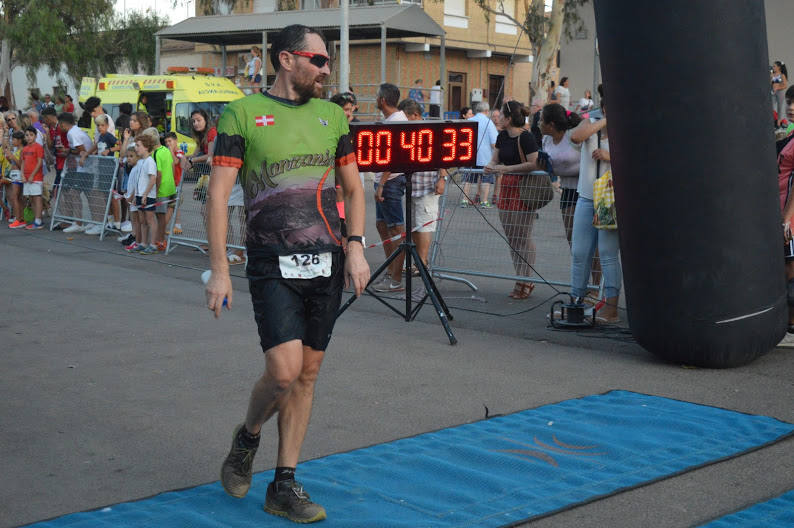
(365,24)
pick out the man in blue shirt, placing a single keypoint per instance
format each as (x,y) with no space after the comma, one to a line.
(486,141)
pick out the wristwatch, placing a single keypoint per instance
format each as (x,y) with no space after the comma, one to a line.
(356,238)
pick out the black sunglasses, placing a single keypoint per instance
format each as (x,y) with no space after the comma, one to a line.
(318,59)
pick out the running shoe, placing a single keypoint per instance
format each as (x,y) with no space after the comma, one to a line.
(74,228)
(465,203)
(288,499)
(149,250)
(34,225)
(126,226)
(161,246)
(93,229)
(236,469)
(131,247)
(17,224)
(486,205)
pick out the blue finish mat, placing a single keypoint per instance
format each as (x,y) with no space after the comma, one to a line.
(484,474)
(778,512)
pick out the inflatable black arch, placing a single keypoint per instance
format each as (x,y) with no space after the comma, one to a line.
(693,160)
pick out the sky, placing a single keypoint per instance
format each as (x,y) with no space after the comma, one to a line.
(184,9)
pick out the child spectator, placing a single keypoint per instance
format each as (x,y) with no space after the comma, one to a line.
(166,189)
(133,167)
(13,155)
(180,162)
(32,175)
(146,194)
(105,141)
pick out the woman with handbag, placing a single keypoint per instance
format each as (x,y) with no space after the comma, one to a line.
(514,157)
(591,138)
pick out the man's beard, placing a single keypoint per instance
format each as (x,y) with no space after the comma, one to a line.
(307,91)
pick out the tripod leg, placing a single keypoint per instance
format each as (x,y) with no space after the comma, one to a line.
(435,297)
(432,286)
(372,278)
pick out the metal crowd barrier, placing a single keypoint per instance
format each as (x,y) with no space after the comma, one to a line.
(86,191)
(191,208)
(471,240)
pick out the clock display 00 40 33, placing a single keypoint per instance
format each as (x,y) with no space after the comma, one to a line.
(412,146)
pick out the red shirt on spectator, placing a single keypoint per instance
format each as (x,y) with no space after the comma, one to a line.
(59,142)
(211,135)
(31,154)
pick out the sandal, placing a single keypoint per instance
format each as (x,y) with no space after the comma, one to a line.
(523,291)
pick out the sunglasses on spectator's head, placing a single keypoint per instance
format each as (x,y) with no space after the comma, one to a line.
(318,59)
(349,97)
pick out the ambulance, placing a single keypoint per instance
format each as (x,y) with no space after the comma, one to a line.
(168,99)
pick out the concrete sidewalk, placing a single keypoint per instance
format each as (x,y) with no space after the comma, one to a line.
(118,384)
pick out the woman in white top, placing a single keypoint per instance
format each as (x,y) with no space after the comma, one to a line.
(563,93)
(556,125)
(585,103)
(255,66)
(592,140)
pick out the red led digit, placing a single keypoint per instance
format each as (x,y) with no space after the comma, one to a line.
(425,132)
(379,143)
(359,159)
(451,144)
(409,146)
(466,144)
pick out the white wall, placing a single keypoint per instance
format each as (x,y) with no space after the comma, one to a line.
(44,82)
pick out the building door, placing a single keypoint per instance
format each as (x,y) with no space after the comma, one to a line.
(496,90)
(457,91)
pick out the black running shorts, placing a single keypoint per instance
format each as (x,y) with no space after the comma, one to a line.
(287,309)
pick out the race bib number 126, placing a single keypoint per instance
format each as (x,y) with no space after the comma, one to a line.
(305,265)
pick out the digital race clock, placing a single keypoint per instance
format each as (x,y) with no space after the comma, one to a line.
(412,146)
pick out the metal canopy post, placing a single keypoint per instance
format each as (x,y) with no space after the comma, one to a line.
(344,47)
(443,67)
(264,60)
(223,60)
(383,53)
(157,55)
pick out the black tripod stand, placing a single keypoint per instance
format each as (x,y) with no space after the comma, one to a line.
(409,249)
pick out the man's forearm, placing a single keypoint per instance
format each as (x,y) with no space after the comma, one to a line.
(355,215)
(217,227)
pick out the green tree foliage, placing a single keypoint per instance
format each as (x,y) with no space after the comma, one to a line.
(84,37)
(543,28)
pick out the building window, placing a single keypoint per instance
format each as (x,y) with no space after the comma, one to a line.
(504,24)
(455,14)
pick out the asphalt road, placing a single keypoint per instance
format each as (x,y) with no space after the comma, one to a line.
(117,384)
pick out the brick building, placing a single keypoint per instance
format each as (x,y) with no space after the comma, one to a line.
(477,52)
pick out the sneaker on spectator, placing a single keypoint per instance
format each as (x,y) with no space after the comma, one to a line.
(17,224)
(389,287)
(93,229)
(160,246)
(486,205)
(465,203)
(149,250)
(124,238)
(129,248)
(126,226)
(34,225)
(74,228)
